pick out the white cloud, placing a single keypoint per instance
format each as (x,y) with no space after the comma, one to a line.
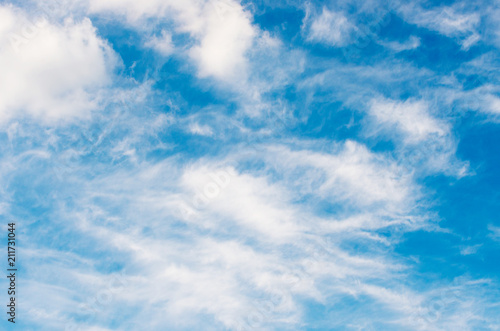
(202,130)
(410,117)
(445,19)
(412,43)
(162,44)
(53,72)
(423,143)
(484,94)
(246,200)
(418,126)
(221,28)
(352,174)
(331,28)
(470,41)
(250,252)
(249,256)
(492,104)
(448,21)
(224,41)
(491,28)
(494,232)
(468,250)
(207,274)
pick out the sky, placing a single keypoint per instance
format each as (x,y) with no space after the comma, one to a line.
(253,165)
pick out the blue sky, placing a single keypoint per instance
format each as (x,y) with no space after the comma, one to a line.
(225,165)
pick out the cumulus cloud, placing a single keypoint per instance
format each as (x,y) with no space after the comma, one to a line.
(227,50)
(224,40)
(222,31)
(51,72)
(162,44)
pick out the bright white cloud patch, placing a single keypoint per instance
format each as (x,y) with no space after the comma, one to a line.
(162,44)
(352,175)
(492,104)
(50,71)
(224,39)
(331,28)
(246,253)
(411,118)
(204,130)
(222,30)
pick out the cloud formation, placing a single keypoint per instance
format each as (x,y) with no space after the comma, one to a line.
(51,72)
(252,166)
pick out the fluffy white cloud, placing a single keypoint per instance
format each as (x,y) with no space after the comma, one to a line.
(250,248)
(220,39)
(224,40)
(331,28)
(50,71)
(230,263)
(244,200)
(222,30)
(162,44)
